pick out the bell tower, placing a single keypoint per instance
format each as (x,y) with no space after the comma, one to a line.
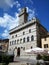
(23,16)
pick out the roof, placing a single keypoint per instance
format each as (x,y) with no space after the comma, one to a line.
(46,35)
(4,40)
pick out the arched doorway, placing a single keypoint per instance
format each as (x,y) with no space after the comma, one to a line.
(18,51)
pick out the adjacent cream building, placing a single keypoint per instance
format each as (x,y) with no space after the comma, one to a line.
(26,35)
(45,41)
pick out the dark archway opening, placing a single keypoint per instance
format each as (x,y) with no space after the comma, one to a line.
(18,51)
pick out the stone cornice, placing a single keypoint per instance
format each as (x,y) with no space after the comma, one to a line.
(22,26)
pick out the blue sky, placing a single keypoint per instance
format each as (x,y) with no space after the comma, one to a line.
(9,11)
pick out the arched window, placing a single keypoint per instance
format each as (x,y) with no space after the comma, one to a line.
(20,40)
(32,38)
(10,43)
(23,40)
(27,39)
(15,41)
(23,33)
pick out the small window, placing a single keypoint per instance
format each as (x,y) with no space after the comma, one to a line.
(27,39)
(12,36)
(29,30)
(17,41)
(45,45)
(23,33)
(20,40)
(32,38)
(23,40)
(15,35)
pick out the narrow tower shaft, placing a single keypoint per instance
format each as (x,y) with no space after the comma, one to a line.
(23,16)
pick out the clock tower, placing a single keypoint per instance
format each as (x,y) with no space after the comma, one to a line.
(23,16)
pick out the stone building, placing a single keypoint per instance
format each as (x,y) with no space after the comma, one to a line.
(26,35)
(4,45)
(45,42)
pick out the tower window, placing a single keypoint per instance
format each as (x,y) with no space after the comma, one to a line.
(32,38)
(27,39)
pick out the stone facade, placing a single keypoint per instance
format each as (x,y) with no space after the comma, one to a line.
(26,36)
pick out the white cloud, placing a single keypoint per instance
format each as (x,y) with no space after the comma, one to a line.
(29,2)
(8,22)
(5,34)
(19,9)
(6,4)
(9,2)
(16,3)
